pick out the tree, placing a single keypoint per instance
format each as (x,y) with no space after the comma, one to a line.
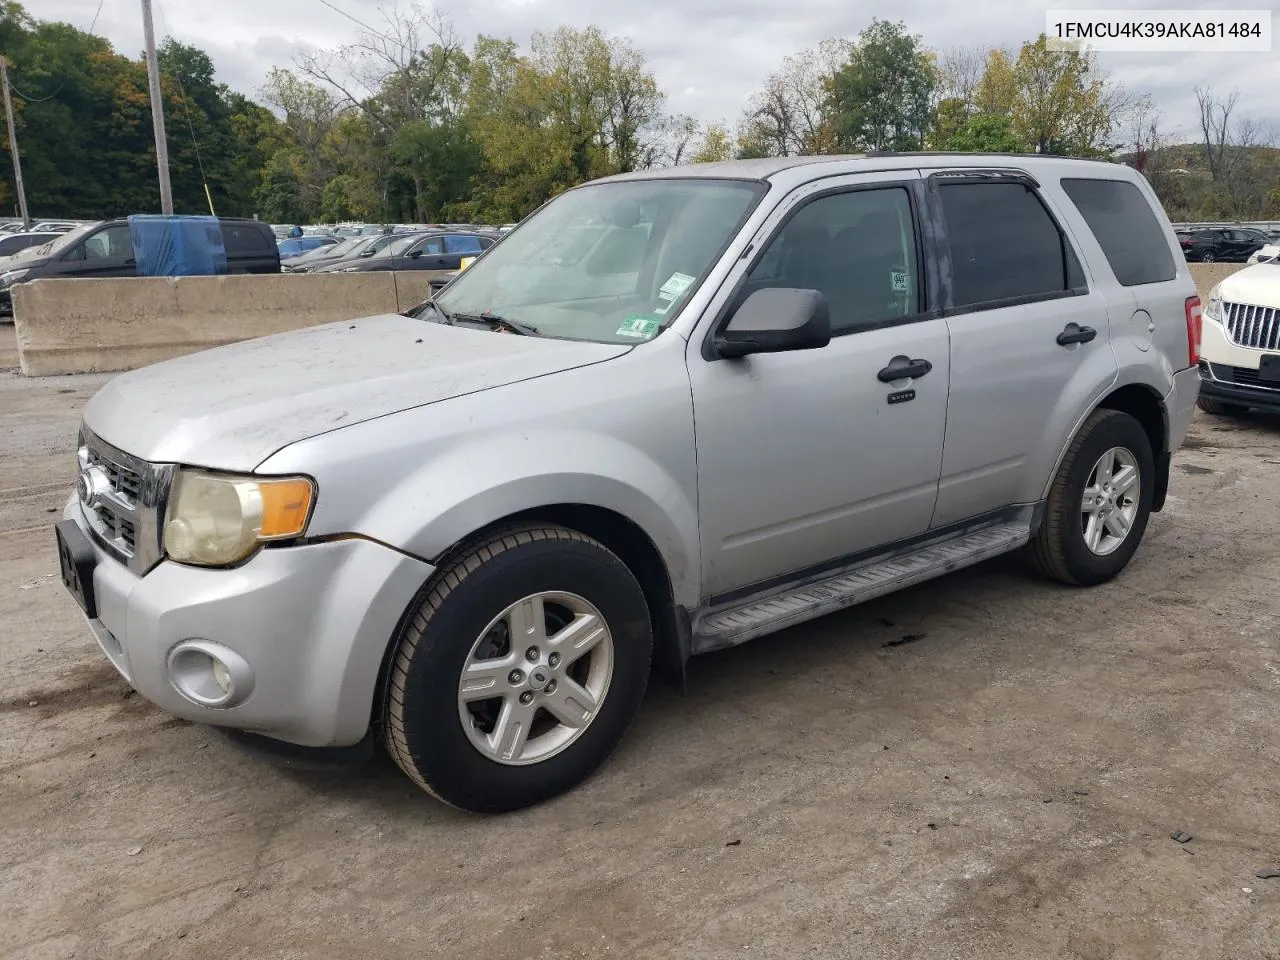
(882,99)
(985,133)
(996,91)
(1063,103)
(716,144)
(791,114)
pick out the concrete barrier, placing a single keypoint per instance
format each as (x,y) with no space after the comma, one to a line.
(92,326)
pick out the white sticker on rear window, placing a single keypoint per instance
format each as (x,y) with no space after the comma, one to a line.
(677,284)
(898,280)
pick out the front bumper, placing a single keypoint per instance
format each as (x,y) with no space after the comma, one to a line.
(1221,382)
(312,622)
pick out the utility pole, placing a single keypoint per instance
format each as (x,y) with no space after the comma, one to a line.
(13,145)
(157,110)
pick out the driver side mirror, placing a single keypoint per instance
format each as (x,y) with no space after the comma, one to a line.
(776,320)
(415,254)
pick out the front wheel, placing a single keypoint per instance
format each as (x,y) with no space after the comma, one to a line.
(1099,502)
(519,671)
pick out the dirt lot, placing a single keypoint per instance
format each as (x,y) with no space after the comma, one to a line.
(1003,785)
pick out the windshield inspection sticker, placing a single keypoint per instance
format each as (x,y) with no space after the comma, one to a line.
(676,284)
(898,280)
(638,326)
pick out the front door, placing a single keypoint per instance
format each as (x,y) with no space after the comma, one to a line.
(1028,334)
(808,458)
(427,254)
(107,252)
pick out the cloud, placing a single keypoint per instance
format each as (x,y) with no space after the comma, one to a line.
(709,55)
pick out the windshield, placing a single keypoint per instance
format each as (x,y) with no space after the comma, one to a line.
(609,262)
(326,250)
(63,241)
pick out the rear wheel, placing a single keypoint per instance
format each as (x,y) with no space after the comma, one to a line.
(1220,409)
(1099,502)
(1208,257)
(520,670)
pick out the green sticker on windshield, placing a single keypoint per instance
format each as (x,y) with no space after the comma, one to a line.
(639,326)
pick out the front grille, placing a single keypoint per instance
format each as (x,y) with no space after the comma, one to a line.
(1248,325)
(122,499)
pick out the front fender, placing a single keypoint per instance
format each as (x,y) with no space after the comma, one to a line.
(470,487)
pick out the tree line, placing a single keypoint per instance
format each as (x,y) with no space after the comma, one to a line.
(410,123)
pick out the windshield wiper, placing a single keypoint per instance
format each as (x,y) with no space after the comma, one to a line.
(494,322)
(417,312)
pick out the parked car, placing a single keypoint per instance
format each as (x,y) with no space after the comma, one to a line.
(344,248)
(1269,251)
(106,250)
(768,390)
(1240,353)
(11,243)
(1225,244)
(56,226)
(294,246)
(429,251)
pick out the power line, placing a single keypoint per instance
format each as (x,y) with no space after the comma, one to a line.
(360,23)
(92,23)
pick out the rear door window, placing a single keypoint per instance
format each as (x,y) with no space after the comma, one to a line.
(1121,219)
(458,243)
(1005,247)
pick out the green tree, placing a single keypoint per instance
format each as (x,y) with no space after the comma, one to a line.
(1064,104)
(883,97)
(984,133)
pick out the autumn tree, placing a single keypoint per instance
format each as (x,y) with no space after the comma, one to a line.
(996,92)
(1063,104)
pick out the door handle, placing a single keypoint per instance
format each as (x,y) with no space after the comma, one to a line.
(1074,333)
(904,368)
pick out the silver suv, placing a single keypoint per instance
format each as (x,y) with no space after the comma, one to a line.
(668,413)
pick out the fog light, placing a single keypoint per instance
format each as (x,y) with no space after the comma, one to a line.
(221,675)
(209,674)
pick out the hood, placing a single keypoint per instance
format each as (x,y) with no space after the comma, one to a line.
(1258,285)
(232,407)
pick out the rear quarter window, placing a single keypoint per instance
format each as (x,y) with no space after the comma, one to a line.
(244,240)
(1125,227)
(1123,223)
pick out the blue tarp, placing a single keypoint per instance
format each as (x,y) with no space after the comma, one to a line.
(177,246)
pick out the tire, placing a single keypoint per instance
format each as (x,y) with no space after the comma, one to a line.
(1208,257)
(1059,549)
(459,617)
(1220,408)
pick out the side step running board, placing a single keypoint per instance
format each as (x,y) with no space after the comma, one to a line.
(727,627)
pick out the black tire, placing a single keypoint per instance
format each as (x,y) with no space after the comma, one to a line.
(1058,550)
(421,726)
(1208,257)
(1220,408)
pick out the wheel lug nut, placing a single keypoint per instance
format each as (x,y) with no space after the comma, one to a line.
(551,687)
(526,697)
(554,660)
(515,676)
(531,654)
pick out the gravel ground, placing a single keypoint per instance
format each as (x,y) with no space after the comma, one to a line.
(987,766)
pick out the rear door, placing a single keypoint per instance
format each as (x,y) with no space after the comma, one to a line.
(426,254)
(1029,338)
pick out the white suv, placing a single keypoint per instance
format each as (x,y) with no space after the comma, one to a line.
(1240,352)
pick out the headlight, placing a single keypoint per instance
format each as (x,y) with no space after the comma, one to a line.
(1213,309)
(11,277)
(216,519)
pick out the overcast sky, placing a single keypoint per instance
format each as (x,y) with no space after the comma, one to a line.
(708,55)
